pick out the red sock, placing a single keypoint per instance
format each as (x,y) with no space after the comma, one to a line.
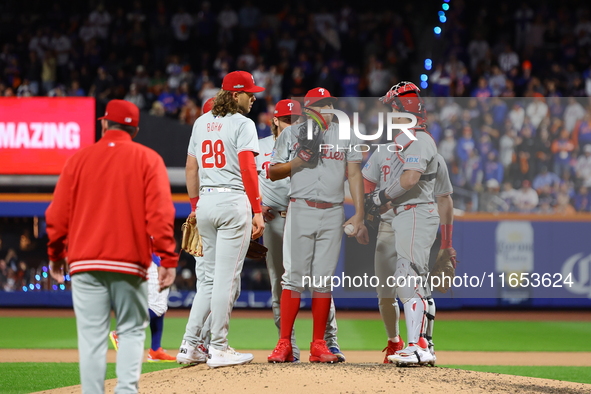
(289,308)
(320,309)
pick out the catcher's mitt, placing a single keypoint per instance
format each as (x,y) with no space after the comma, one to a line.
(256,251)
(191,242)
(444,269)
(372,211)
(309,148)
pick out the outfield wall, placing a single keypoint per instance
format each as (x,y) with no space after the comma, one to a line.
(552,247)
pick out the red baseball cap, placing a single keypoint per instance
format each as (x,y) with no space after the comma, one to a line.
(208,105)
(123,112)
(240,81)
(317,94)
(287,108)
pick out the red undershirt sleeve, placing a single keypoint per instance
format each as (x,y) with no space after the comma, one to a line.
(250,178)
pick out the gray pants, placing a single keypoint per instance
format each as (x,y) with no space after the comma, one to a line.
(192,324)
(95,294)
(385,266)
(224,221)
(312,245)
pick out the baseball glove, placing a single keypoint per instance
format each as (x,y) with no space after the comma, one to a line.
(444,268)
(191,242)
(372,211)
(309,148)
(256,251)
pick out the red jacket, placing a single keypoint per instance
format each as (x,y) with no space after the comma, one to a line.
(112,208)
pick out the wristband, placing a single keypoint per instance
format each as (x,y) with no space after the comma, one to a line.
(395,190)
(446,235)
(194,203)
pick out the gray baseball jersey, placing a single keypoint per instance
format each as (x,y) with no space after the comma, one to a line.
(443,185)
(418,155)
(275,194)
(324,182)
(216,142)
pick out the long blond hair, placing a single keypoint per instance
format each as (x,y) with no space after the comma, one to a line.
(224,104)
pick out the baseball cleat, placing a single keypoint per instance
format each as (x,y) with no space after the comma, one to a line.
(114,339)
(432,351)
(189,354)
(283,352)
(412,355)
(392,348)
(319,353)
(225,358)
(337,352)
(160,356)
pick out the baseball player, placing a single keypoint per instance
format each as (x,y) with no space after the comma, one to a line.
(119,188)
(193,349)
(314,223)
(415,219)
(275,199)
(157,307)
(381,166)
(223,185)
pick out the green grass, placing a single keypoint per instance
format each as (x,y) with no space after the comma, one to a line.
(354,334)
(46,376)
(569,374)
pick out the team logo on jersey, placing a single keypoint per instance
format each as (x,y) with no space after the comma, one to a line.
(413,159)
(367,165)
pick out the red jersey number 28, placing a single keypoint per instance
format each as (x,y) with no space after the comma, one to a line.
(213,154)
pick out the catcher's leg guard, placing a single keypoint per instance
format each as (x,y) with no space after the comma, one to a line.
(410,292)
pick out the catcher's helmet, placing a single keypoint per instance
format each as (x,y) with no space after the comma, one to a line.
(404,97)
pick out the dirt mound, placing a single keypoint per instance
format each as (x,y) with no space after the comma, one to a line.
(337,378)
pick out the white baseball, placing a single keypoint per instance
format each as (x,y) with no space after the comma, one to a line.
(349,228)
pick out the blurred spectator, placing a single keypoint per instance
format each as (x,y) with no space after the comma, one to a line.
(563,206)
(573,112)
(189,112)
(465,144)
(583,166)
(263,125)
(507,146)
(582,200)
(526,199)
(537,110)
(227,20)
(482,90)
(508,195)
(508,59)
(582,131)
(545,180)
(447,146)
(157,109)
(350,83)
(48,71)
(562,149)
(75,90)
(181,24)
(102,86)
(135,97)
(379,80)
(100,19)
(490,200)
(492,168)
(169,101)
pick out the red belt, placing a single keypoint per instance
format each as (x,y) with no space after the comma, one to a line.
(319,205)
(400,208)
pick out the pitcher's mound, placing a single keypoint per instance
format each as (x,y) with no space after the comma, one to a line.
(338,378)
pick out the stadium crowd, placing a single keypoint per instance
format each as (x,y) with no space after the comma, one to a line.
(521,143)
